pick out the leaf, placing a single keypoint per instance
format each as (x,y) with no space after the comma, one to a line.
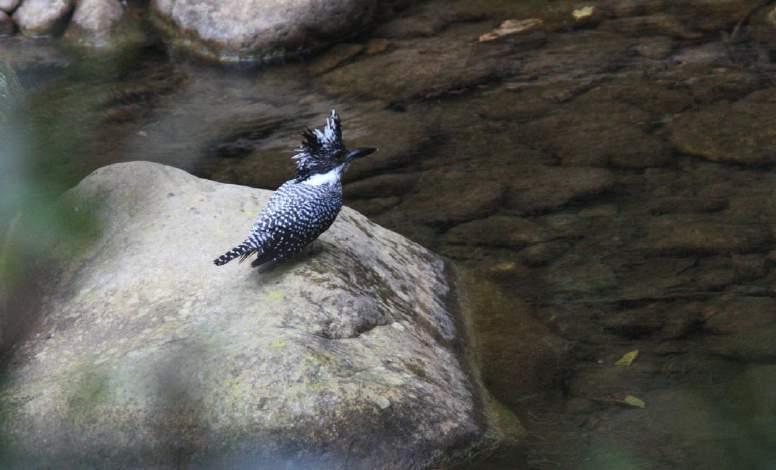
(509,27)
(627,359)
(633,401)
(583,13)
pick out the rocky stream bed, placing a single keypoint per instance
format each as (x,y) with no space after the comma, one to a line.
(606,180)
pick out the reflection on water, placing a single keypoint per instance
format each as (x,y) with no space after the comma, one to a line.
(609,186)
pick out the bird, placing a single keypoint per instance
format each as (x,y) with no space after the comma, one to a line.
(304,207)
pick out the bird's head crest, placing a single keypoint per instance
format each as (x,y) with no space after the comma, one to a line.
(321,149)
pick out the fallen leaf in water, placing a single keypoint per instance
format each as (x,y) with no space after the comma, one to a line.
(635,402)
(583,13)
(627,358)
(509,27)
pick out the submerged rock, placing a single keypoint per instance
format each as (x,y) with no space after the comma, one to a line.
(743,131)
(235,30)
(147,355)
(42,17)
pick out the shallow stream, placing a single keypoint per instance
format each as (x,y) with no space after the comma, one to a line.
(608,186)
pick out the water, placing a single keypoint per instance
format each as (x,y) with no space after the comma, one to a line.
(608,188)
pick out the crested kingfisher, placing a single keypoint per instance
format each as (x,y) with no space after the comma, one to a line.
(304,207)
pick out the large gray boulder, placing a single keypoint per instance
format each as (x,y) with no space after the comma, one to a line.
(94,20)
(42,17)
(264,30)
(146,355)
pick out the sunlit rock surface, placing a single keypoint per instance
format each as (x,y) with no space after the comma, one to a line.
(236,30)
(147,355)
(94,20)
(42,17)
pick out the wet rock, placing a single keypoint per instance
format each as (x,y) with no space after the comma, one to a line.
(685,205)
(7,26)
(702,235)
(656,278)
(633,7)
(311,363)
(543,253)
(740,315)
(653,96)
(599,134)
(722,84)
(657,24)
(42,17)
(657,48)
(424,21)
(576,277)
(422,68)
(395,184)
(701,55)
(745,131)
(9,6)
(749,267)
(499,230)
(577,56)
(336,56)
(516,105)
(518,354)
(438,200)
(374,206)
(232,31)
(94,20)
(636,323)
(377,46)
(543,188)
(744,328)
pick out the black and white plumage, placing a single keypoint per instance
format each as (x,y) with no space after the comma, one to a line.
(302,208)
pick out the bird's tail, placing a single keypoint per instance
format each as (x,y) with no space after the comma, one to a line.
(243,250)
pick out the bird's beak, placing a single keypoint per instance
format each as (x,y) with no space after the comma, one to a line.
(358,153)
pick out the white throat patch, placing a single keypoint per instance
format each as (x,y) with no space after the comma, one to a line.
(330,177)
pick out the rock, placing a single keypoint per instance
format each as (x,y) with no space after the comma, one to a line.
(655,47)
(335,57)
(9,6)
(701,235)
(7,28)
(264,30)
(545,188)
(600,134)
(42,17)
(633,7)
(745,131)
(656,24)
(576,277)
(519,356)
(424,67)
(438,200)
(395,184)
(377,46)
(499,230)
(374,206)
(146,355)
(94,21)
(426,20)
